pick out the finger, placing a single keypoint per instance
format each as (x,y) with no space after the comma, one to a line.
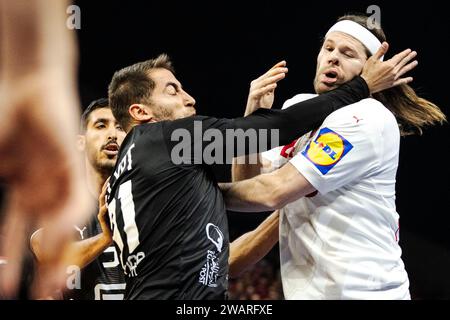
(406,69)
(273,72)
(103,209)
(400,56)
(405,60)
(101,200)
(13,246)
(279,64)
(271,80)
(258,83)
(262,91)
(402,81)
(104,189)
(103,192)
(105,185)
(381,51)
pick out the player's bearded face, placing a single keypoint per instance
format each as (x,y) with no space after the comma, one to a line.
(340,59)
(168,100)
(103,139)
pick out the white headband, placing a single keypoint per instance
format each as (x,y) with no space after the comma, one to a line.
(358,32)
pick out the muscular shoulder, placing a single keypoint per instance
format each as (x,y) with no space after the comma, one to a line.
(371,107)
(369,114)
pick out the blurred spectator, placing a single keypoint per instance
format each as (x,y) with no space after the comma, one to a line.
(260,282)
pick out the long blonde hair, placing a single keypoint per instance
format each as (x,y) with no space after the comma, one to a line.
(412,112)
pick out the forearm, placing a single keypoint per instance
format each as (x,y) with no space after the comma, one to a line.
(266,192)
(242,167)
(81,253)
(251,247)
(251,195)
(303,116)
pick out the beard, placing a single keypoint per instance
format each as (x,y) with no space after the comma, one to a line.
(162,113)
(102,163)
(105,167)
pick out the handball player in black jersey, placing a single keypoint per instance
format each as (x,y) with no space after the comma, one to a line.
(94,272)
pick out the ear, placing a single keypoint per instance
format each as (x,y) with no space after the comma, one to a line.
(81,142)
(140,113)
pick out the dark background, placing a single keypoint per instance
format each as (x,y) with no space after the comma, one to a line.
(220,46)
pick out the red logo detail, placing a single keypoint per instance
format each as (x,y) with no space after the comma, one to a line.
(288,149)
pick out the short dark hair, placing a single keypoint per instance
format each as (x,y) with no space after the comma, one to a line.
(133,84)
(94,105)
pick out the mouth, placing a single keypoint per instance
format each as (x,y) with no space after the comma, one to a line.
(330,77)
(111,149)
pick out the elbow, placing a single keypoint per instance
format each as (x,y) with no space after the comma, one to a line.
(275,200)
(277,193)
(272,203)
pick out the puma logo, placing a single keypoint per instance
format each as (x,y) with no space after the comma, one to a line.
(81,231)
(357,119)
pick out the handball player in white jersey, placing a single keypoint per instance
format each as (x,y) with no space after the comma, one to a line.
(339,228)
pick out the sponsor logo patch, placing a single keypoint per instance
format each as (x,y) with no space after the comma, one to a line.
(327,149)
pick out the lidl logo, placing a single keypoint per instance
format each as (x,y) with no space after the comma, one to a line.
(327,150)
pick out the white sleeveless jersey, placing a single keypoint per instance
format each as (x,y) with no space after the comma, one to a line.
(342,242)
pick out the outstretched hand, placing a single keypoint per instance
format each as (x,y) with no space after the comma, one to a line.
(262,89)
(44,177)
(102,215)
(381,75)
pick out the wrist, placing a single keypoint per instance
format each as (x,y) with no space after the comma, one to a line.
(252,106)
(249,110)
(106,241)
(106,236)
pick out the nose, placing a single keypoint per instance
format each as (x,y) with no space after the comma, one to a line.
(333,57)
(112,132)
(188,100)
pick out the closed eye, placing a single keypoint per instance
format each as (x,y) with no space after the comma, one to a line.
(349,54)
(172,88)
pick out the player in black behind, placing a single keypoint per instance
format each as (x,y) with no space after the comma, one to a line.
(166,211)
(95,272)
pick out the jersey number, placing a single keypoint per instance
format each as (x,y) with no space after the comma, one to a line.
(128,213)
